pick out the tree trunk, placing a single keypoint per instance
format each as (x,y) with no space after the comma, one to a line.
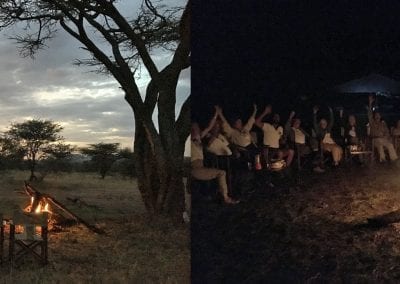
(32,168)
(160,184)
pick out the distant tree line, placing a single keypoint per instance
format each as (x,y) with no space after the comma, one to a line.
(36,145)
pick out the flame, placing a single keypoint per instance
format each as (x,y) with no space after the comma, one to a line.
(43,206)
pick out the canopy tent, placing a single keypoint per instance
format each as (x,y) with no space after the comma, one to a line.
(373,83)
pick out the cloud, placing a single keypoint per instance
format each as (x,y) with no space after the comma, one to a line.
(90,106)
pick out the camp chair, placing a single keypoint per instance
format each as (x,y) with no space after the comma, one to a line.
(28,232)
(396,144)
(302,158)
(1,238)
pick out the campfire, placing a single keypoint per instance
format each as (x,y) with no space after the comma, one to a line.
(38,207)
(59,216)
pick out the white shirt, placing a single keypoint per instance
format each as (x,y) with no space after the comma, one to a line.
(219,146)
(328,139)
(241,138)
(299,136)
(272,135)
(352,132)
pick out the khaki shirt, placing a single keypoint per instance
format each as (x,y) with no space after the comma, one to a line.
(241,138)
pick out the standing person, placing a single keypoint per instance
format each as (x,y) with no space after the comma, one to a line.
(273,132)
(380,134)
(323,130)
(197,161)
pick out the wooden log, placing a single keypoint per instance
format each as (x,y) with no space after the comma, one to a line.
(36,194)
(384,220)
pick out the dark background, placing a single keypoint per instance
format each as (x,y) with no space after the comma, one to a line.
(288,53)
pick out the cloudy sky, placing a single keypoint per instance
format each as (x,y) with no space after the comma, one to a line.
(89,106)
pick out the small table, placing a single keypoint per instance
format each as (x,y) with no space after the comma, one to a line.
(361,153)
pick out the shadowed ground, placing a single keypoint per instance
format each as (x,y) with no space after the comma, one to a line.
(311,231)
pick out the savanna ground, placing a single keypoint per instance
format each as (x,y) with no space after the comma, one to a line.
(133,250)
(310,231)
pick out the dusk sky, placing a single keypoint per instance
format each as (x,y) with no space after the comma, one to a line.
(280,50)
(89,106)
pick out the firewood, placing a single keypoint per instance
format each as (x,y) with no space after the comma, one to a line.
(37,195)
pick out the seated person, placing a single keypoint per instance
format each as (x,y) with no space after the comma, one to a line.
(297,137)
(353,133)
(396,129)
(239,134)
(218,144)
(273,133)
(198,170)
(380,134)
(323,131)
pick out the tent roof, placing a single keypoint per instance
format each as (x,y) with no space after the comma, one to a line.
(373,83)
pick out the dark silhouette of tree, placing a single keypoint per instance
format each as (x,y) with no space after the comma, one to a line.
(11,153)
(119,45)
(57,158)
(34,137)
(103,155)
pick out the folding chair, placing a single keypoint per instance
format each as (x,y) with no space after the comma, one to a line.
(1,238)
(28,232)
(396,144)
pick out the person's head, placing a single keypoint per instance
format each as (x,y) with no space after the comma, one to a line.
(352,120)
(377,116)
(296,123)
(237,123)
(276,118)
(323,123)
(195,131)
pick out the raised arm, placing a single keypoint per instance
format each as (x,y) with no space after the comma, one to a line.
(250,122)
(267,110)
(210,124)
(225,124)
(288,125)
(315,123)
(369,109)
(331,119)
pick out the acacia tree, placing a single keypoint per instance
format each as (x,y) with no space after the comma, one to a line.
(103,155)
(35,138)
(117,46)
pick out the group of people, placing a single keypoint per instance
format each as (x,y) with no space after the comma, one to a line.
(282,142)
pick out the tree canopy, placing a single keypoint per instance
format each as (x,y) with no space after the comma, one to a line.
(119,42)
(34,137)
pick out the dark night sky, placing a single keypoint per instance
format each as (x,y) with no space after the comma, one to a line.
(276,51)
